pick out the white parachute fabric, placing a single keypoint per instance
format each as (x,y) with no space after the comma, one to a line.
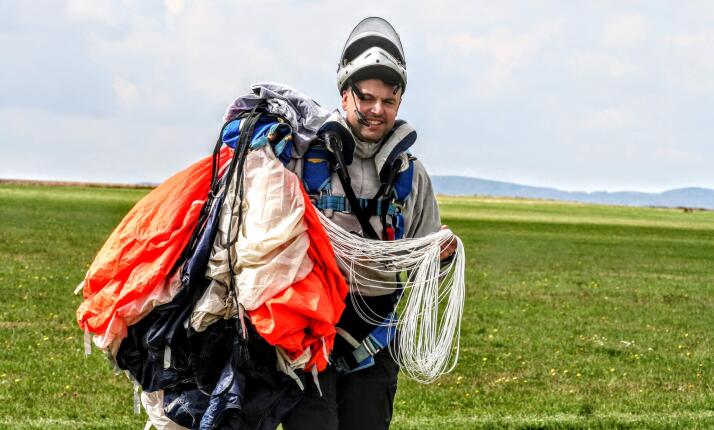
(268,253)
(271,252)
(432,304)
(154,406)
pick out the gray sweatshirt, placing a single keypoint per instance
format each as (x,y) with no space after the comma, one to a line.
(421,211)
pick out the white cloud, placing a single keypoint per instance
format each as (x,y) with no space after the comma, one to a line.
(127,92)
(693,66)
(198,48)
(626,31)
(106,12)
(133,97)
(609,119)
(174,7)
(505,52)
(117,149)
(600,64)
(673,155)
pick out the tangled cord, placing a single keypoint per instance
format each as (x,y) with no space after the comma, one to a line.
(432,302)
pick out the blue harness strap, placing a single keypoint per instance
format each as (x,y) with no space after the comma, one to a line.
(376,341)
(342,204)
(403,183)
(364,352)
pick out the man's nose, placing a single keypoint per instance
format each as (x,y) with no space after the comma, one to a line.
(377,108)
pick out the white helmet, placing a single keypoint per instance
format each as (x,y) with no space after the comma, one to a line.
(373,50)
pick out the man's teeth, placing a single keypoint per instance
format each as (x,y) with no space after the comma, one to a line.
(373,122)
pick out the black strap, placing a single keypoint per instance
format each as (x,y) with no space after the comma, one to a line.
(242,147)
(236,162)
(203,216)
(386,189)
(334,144)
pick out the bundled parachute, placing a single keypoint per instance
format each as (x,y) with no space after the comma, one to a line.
(153,295)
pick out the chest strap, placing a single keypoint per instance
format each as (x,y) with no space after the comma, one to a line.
(383,206)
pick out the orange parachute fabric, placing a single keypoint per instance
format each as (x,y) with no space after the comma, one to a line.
(143,249)
(304,315)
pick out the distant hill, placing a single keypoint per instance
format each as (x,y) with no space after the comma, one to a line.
(691,197)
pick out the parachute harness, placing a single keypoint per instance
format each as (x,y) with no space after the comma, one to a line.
(430,322)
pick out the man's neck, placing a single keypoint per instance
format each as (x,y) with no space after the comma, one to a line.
(365,149)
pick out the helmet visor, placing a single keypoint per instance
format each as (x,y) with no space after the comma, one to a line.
(370,32)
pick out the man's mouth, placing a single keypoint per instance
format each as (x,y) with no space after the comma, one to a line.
(374,122)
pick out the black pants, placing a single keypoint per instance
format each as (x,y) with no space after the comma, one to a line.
(357,401)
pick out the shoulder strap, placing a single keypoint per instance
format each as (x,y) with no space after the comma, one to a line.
(334,144)
(236,163)
(386,190)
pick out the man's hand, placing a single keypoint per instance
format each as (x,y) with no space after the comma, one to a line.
(447,248)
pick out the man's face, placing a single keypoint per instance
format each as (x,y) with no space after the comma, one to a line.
(379,107)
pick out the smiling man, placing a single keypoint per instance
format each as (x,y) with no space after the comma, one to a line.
(385,194)
(374,115)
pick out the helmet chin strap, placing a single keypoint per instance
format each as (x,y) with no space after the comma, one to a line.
(360,116)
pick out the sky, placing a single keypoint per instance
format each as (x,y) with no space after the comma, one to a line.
(577,95)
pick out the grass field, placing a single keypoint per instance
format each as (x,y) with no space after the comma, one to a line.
(577,316)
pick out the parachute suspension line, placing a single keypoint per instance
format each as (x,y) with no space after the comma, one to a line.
(433,300)
(235,197)
(236,186)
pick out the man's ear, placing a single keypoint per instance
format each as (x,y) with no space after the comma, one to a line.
(344,100)
(399,92)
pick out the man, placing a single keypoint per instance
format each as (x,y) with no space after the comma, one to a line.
(372,79)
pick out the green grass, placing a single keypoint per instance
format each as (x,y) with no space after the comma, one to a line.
(577,316)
